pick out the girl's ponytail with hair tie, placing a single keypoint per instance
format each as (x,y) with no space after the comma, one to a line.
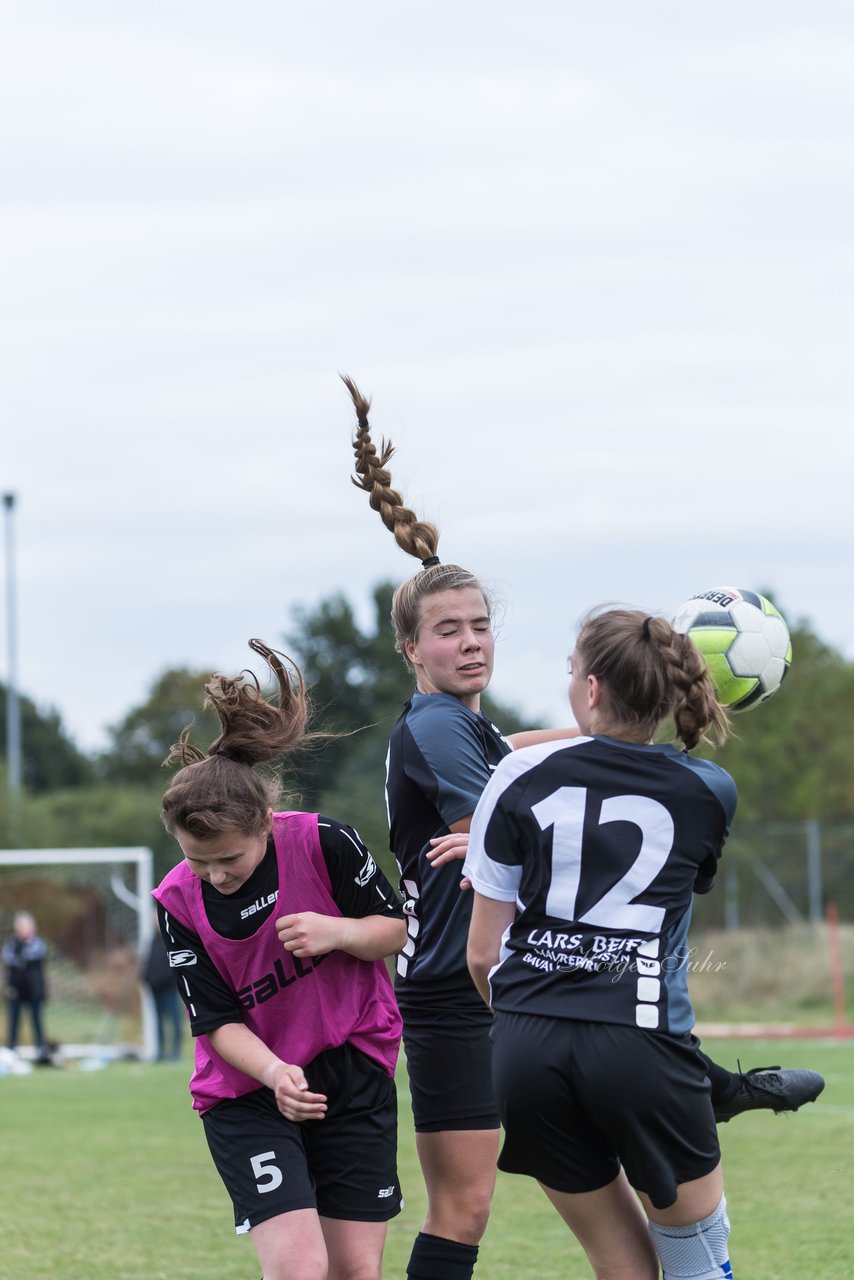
(226,754)
(646,623)
(430,561)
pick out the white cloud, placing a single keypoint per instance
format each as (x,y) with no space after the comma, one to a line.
(595,267)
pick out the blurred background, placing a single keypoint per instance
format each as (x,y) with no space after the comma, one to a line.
(593,264)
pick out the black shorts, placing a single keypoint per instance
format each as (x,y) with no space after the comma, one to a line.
(448,1061)
(344,1165)
(580,1099)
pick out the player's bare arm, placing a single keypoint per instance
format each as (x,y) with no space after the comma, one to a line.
(308,933)
(533,737)
(244,1050)
(489,919)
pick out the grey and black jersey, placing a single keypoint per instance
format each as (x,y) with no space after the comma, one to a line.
(601,845)
(441,756)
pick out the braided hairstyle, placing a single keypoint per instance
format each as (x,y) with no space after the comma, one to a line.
(416,537)
(649,672)
(221,789)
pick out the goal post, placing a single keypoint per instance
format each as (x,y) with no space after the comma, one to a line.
(94,909)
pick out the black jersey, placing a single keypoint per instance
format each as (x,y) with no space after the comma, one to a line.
(441,756)
(359,889)
(601,844)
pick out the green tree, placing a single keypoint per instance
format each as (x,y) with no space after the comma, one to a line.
(140,742)
(49,759)
(793,756)
(100,816)
(357,685)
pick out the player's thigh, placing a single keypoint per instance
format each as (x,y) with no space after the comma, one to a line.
(291,1246)
(611,1227)
(459,1163)
(354,1249)
(459,1169)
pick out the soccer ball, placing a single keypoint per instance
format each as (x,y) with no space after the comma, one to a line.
(744,640)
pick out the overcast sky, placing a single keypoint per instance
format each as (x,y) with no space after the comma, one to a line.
(592,261)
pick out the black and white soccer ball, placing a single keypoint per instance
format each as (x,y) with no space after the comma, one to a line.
(744,640)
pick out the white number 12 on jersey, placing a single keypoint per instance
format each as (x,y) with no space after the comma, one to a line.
(564,810)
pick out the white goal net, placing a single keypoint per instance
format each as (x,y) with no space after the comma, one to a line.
(93,907)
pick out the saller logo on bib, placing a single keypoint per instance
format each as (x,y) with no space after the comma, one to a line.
(180,959)
(285,971)
(259,905)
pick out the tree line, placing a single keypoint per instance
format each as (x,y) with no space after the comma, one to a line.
(793,757)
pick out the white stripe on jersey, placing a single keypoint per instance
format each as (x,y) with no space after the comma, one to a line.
(167,924)
(361,849)
(496,880)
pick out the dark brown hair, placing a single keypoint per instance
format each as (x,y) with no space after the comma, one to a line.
(221,789)
(416,537)
(649,672)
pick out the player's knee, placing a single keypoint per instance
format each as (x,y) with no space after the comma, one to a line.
(297,1269)
(475,1217)
(699,1250)
(463,1217)
(287,1272)
(296,1264)
(357,1269)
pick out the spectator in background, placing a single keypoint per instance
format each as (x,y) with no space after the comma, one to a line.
(157,975)
(24,956)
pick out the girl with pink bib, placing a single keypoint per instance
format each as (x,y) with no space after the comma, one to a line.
(277,924)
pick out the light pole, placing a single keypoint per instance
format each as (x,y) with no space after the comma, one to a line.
(13,708)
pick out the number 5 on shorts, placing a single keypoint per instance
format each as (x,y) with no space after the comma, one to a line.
(268,1175)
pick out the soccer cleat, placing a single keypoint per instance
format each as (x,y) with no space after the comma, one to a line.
(771,1089)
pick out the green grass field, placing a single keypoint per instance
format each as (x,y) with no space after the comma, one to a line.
(106,1176)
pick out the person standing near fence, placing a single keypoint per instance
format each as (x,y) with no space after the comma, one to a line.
(170,1014)
(24,956)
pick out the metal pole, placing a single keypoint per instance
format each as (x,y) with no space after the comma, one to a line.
(13,707)
(837,973)
(731,920)
(814,869)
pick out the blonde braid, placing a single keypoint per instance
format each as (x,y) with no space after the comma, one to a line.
(697,714)
(416,537)
(649,672)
